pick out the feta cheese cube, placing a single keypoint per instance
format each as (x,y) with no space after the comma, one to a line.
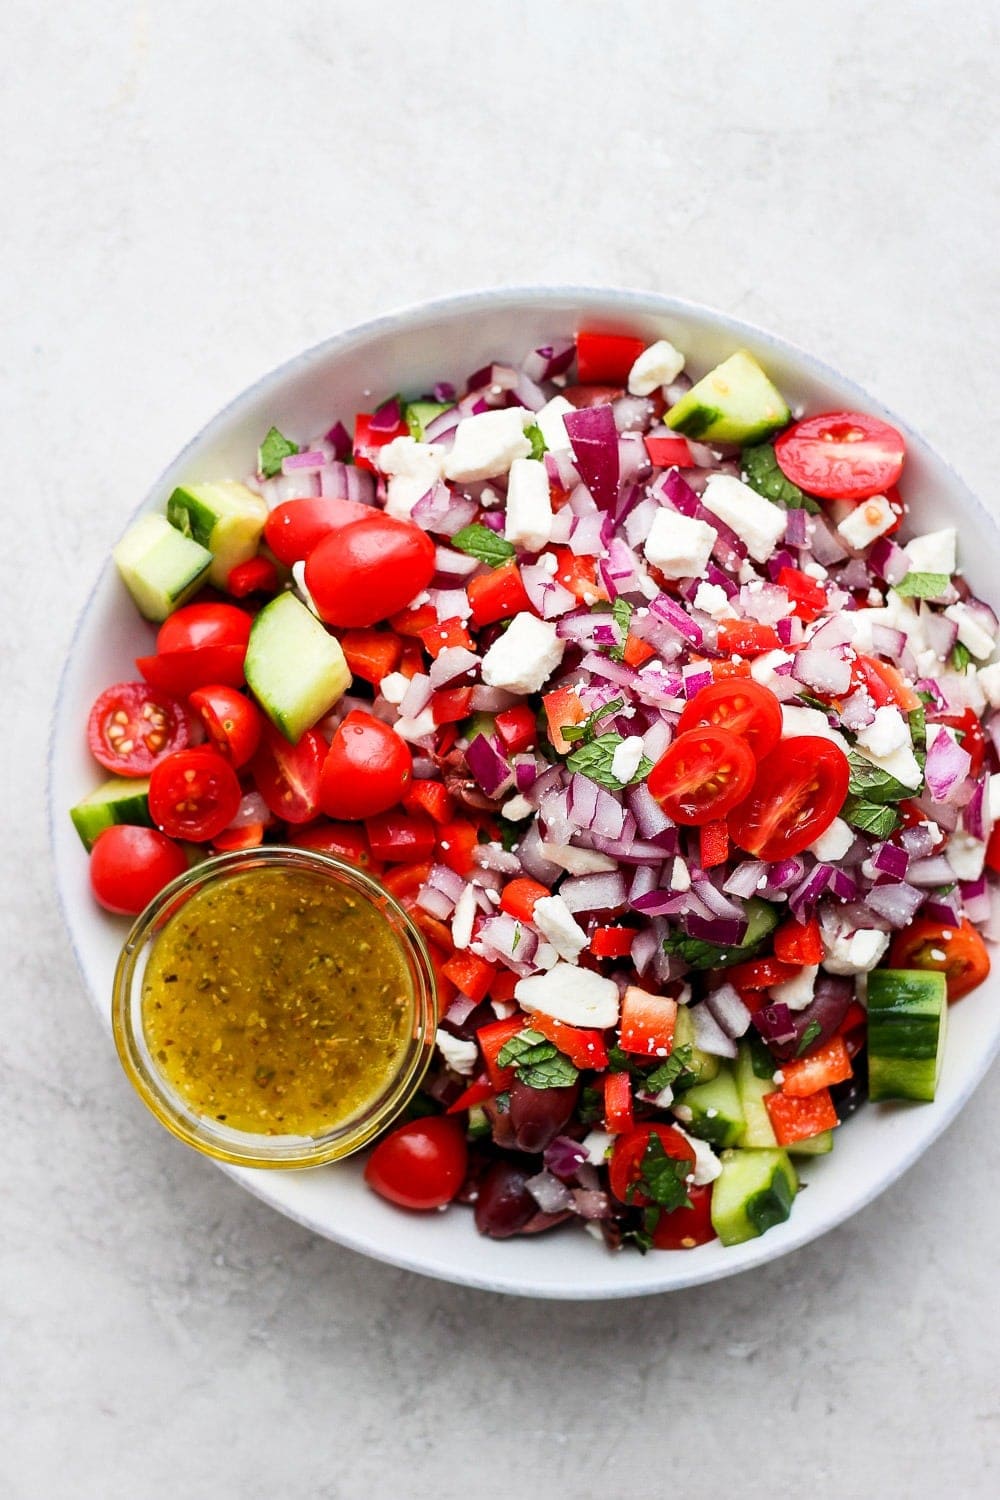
(966,855)
(971,631)
(707,1165)
(867,521)
(463,918)
(549,421)
(887,732)
(461,1056)
(529,509)
(760,524)
(577,996)
(680,875)
(660,364)
(763,668)
(679,546)
(555,921)
(900,763)
(934,552)
(833,843)
(516,808)
(714,600)
(797,721)
(416,728)
(524,657)
(488,443)
(989,681)
(797,993)
(854,952)
(393,687)
(625,761)
(413,469)
(597,1144)
(545,957)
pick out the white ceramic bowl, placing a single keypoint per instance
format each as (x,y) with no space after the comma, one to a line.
(408,351)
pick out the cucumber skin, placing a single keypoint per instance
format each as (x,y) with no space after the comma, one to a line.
(155,598)
(754,1193)
(720,1093)
(100,809)
(272,663)
(907,1024)
(735,402)
(758,1131)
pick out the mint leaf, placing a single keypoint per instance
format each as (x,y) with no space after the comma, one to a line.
(763,474)
(810,1034)
(539,1063)
(618,1061)
(621,613)
(594,760)
(587,731)
(482,543)
(871,784)
(534,436)
(591,1105)
(918,727)
(662,1178)
(668,1071)
(922,585)
(272,450)
(960,656)
(879,819)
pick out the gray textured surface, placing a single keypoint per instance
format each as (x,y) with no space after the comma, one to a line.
(192,194)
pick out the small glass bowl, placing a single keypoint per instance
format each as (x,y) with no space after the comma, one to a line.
(243,1147)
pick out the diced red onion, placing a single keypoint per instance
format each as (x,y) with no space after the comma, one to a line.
(723,931)
(939,632)
(508,938)
(416,697)
(491,769)
(729,1010)
(709,1035)
(674,615)
(563,1156)
(550,360)
(591,1203)
(656,739)
(677,492)
(491,700)
(695,676)
(459,1010)
(947,767)
(594,439)
(252,809)
(644,948)
(551,1195)
(594,892)
(944,906)
(919,841)
(796,528)
(888,561)
(585,534)
(891,860)
(825,545)
(976,818)
(790,630)
(611,671)
(774,1022)
(340,441)
(450,664)
(645,879)
(745,880)
(930,872)
(651,820)
(886,641)
(533,861)
(977,900)
(451,564)
(824,671)
(435,902)
(803,899)
(304,463)
(896,903)
(628,850)
(858,711)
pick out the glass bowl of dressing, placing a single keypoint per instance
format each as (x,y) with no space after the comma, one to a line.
(275,1007)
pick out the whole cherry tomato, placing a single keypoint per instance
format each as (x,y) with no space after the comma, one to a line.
(369,570)
(129,866)
(366,771)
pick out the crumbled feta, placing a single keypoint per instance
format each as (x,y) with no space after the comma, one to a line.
(549,421)
(660,364)
(796,993)
(461,1056)
(971,632)
(523,657)
(393,687)
(763,668)
(555,921)
(597,1144)
(966,855)
(854,952)
(413,469)
(488,443)
(577,996)
(463,918)
(577,861)
(714,600)
(934,552)
(833,843)
(529,509)
(707,1165)
(679,546)
(680,876)
(516,808)
(546,957)
(866,521)
(760,524)
(900,763)
(797,721)
(887,732)
(625,761)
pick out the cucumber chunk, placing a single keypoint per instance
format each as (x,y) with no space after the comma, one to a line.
(225,517)
(814,1145)
(420,414)
(734,403)
(704,1065)
(294,667)
(755,1069)
(120,800)
(907,1023)
(754,1191)
(160,568)
(712,1110)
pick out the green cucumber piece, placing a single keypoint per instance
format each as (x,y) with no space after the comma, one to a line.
(294,667)
(479,1124)
(419,415)
(754,1191)
(907,1024)
(704,1065)
(225,517)
(712,1110)
(734,403)
(160,568)
(755,1068)
(815,1145)
(120,800)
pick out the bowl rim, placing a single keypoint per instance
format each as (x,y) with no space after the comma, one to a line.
(613,302)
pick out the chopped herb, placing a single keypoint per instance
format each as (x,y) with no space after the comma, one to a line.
(662,1178)
(482,543)
(587,731)
(960,656)
(668,1071)
(594,760)
(272,450)
(518,935)
(591,1105)
(621,612)
(618,1061)
(810,1034)
(539,1063)
(877,818)
(763,474)
(534,436)
(872,784)
(510,835)
(918,727)
(922,585)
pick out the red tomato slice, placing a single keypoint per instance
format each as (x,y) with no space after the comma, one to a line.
(702,776)
(132,726)
(626,1161)
(955,949)
(685,1228)
(200,625)
(841,455)
(366,771)
(288,776)
(129,866)
(194,794)
(233,724)
(799,790)
(369,570)
(293,528)
(740,705)
(182,672)
(420,1165)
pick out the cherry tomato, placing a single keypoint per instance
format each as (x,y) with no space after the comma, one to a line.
(606,356)
(702,775)
(199,625)
(288,776)
(743,707)
(233,723)
(841,455)
(366,771)
(421,1165)
(685,1228)
(956,950)
(625,1167)
(369,570)
(799,790)
(183,672)
(342,840)
(131,727)
(294,527)
(194,794)
(129,866)
(972,736)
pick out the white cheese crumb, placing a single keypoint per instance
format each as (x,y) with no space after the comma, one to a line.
(577,996)
(555,921)
(524,657)
(487,444)
(755,520)
(626,758)
(461,1056)
(679,546)
(660,364)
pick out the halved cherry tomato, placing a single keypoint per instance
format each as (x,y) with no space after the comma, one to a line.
(258,575)
(955,949)
(747,637)
(685,1228)
(841,455)
(234,724)
(367,769)
(249,836)
(369,570)
(798,791)
(129,866)
(702,776)
(131,727)
(625,1168)
(197,626)
(743,707)
(606,356)
(420,1165)
(182,672)
(396,838)
(294,528)
(194,794)
(343,840)
(971,733)
(288,776)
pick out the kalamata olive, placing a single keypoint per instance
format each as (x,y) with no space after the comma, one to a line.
(828,1007)
(538,1115)
(497,1111)
(852,1093)
(504,1205)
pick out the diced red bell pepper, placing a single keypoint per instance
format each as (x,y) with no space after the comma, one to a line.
(367,439)
(800,1119)
(583,1046)
(413,622)
(669,452)
(612,942)
(471,974)
(798,942)
(430,797)
(723,670)
(807,594)
(498,595)
(747,637)
(371,654)
(438,637)
(760,973)
(412,659)
(258,575)
(456,841)
(478,1092)
(618,1113)
(637,651)
(492,1039)
(517,728)
(451,705)
(606,358)
(503,987)
(579,575)
(884,683)
(854,1028)
(819,1069)
(714,843)
(561,708)
(647,1023)
(519,897)
(397,838)
(404,881)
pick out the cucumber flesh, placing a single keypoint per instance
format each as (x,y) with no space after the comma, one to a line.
(225,517)
(712,1110)
(294,667)
(734,403)
(420,414)
(754,1191)
(119,800)
(907,1024)
(160,568)
(704,1065)
(814,1145)
(754,1079)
